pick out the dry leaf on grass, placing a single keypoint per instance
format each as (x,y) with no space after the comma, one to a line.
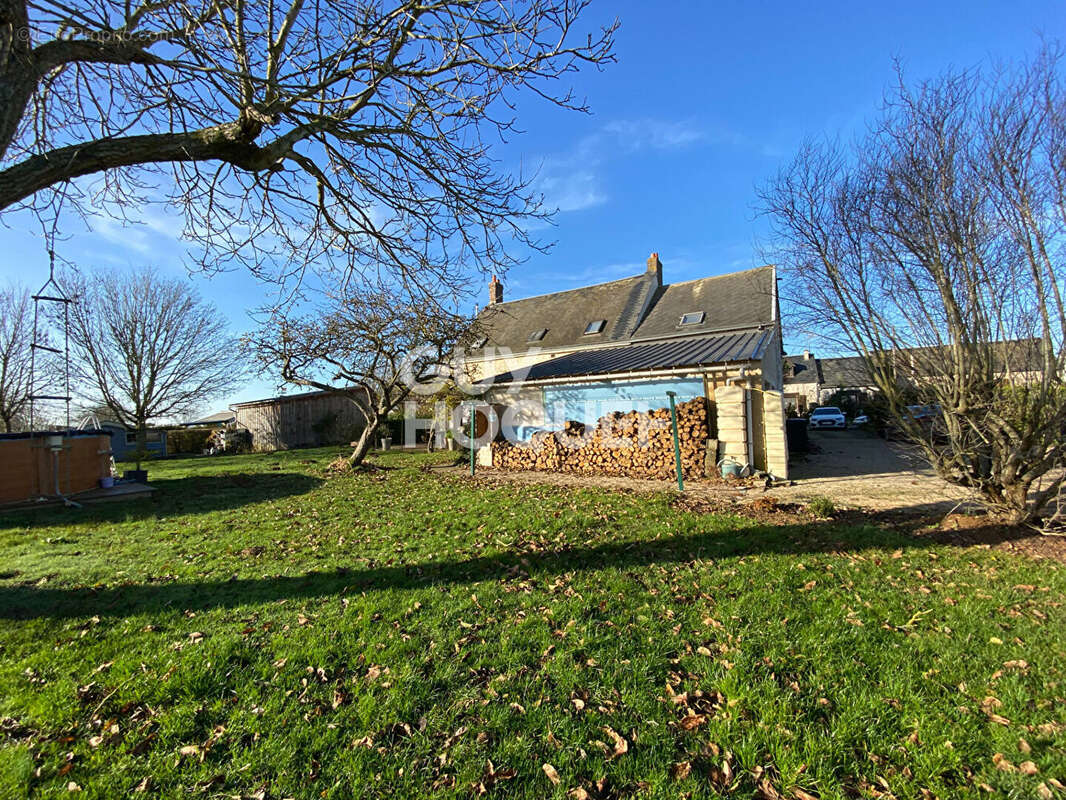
(553,776)
(621,746)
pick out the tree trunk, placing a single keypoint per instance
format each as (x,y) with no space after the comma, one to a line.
(362,445)
(142,444)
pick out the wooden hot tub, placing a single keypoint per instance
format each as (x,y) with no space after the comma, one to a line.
(28,463)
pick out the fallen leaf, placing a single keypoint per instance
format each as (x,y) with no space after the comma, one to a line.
(1028,768)
(1002,763)
(621,746)
(553,776)
(692,722)
(681,770)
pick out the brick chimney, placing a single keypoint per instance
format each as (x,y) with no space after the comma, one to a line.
(495,291)
(655,267)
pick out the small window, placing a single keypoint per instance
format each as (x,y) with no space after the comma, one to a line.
(536,336)
(596,326)
(692,318)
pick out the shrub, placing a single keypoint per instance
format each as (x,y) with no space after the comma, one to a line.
(821,507)
(187,440)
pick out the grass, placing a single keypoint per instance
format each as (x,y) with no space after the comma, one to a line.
(259,629)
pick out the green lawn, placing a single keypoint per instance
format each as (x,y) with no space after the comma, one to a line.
(259,629)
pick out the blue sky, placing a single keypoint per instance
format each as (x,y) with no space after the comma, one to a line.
(706,102)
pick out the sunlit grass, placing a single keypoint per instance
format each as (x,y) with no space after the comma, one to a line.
(262,627)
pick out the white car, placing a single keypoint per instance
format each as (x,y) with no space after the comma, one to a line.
(828,417)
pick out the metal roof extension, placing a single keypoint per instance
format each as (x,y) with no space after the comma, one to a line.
(747,345)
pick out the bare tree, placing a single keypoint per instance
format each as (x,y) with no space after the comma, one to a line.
(148,347)
(372,347)
(16,336)
(933,248)
(290,133)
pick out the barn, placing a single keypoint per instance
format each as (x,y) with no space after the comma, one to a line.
(308,419)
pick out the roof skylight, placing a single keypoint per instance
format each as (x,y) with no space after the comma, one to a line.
(536,336)
(596,326)
(691,318)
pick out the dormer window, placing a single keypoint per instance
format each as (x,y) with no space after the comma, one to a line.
(691,318)
(596,326)
(536,336)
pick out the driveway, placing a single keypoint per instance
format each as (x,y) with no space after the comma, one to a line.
(857,469)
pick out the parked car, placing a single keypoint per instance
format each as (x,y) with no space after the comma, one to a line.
(860,419)
(828,417)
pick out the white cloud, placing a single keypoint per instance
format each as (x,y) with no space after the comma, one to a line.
(571,181)
(153,232)
(568,189)
(649,133)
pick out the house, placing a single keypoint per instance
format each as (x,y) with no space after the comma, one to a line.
(620,346)
(124,441)
(811,381)
(219,419)
(309,419)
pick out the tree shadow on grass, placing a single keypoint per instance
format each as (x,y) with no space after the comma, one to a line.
(195,494)
(30,601)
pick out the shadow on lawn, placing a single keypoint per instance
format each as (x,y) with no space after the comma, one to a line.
(195,494)
(29,601)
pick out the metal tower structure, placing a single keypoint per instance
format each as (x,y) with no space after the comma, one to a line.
(51,292)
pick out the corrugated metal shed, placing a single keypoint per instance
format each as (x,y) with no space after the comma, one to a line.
(723,348)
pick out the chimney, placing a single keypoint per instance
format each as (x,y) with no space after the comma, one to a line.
(655,267)
(495,291)
(806,355)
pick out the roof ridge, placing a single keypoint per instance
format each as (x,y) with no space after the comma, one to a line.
(715,277)
(563,291)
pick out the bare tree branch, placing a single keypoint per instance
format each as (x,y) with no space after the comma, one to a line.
(16,335)
(370,345)
(933,248)
(348,132)
(148,347)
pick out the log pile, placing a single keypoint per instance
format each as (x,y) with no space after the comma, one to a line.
(635,444)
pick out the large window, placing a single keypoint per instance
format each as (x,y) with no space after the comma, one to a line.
(590,401)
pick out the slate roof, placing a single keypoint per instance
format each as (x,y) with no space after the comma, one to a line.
(730,302)
(567,314)
(845,372)
(849,371)
(635,308)
(803,370)
(747,345)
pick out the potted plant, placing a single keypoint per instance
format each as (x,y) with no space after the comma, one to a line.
(139,454)
(385,435)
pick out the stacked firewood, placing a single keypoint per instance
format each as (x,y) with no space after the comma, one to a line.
(634,444)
